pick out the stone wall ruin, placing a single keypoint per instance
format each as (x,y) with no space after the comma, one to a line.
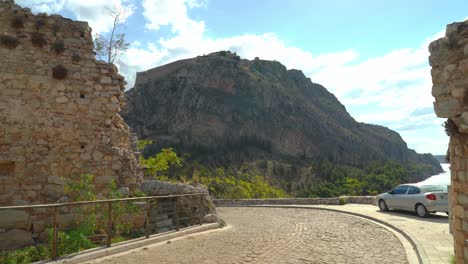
(449,61)
(59,118)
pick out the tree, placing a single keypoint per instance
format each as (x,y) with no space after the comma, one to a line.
(161,162)
(111,46)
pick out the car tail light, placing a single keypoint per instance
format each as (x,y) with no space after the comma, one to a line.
(431,197)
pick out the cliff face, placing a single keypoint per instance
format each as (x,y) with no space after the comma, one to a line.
(224,110)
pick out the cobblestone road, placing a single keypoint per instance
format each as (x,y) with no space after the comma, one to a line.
(276,235)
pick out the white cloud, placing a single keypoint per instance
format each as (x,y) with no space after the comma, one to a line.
(92,11)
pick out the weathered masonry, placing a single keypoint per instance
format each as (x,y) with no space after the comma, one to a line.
(449,61)
(59,118)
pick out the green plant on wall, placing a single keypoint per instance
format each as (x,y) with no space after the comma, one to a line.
(122,212)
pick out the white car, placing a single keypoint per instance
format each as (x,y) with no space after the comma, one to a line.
(422,199)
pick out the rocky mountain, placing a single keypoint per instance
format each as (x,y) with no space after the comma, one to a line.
(225,111)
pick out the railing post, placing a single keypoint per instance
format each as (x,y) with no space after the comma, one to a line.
(147,233)
(192,219)
(109,224)
(54,235)
(177,219)
(200,216)
(156,217)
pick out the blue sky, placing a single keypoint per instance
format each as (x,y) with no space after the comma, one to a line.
(371,54)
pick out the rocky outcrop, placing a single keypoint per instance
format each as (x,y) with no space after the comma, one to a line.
(449,61)
(59,115)
(191,209)
(226,111)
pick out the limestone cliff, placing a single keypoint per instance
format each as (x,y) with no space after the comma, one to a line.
(224,110)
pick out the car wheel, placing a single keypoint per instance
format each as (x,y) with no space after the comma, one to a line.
(382,205)
(422,211)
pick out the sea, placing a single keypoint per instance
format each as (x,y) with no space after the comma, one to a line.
(440,179)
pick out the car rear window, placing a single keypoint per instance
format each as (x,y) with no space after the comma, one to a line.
(434,188)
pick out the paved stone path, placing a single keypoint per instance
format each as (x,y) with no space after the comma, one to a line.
(432,233)
(278,235)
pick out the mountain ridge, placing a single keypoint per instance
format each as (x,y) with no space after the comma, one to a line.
(234,111)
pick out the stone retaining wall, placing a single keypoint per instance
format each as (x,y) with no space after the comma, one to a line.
(302,201)
(59,118)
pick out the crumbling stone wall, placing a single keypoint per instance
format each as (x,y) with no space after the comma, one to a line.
(449,61)
(59,117)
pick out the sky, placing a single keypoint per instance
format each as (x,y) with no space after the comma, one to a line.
(373,55)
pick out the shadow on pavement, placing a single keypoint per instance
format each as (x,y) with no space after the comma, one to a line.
(434,218)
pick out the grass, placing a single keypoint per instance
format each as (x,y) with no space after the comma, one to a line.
(222,223)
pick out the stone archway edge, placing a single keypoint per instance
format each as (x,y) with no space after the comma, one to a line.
(419,255)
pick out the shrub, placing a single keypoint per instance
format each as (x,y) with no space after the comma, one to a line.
(450,127)
(72,241)
(56,28)
(39,24)
(59,72)
(9,42)
(17,22)
(38,39)
(26,255)
(76,57)
(58,46)
(341,201)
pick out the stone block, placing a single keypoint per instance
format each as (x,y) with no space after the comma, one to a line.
(447,107)
(164,223)
(462,199)
(15,239)
(97,156)
(61,99)
(14,219)
(66,221)
(439,89)
(210,218)
(463,66)
(56,180)
(85,156)
(104,180)
(106,80)
(116,165)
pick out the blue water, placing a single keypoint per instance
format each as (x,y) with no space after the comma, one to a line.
(440,179)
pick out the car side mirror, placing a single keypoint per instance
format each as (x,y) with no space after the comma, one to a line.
(390,192)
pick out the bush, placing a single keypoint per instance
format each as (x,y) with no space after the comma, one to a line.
(9,42)
(38,39)
(58,46)
(39,24)
(341,201)
(59,72)
(76,57)
(246,186)
(17,22)
(72,241)
(26,255)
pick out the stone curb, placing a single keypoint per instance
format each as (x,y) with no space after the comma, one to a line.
(416,245)
(296,201)
(130,244)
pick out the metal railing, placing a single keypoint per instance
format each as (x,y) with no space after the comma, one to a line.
(110,203)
